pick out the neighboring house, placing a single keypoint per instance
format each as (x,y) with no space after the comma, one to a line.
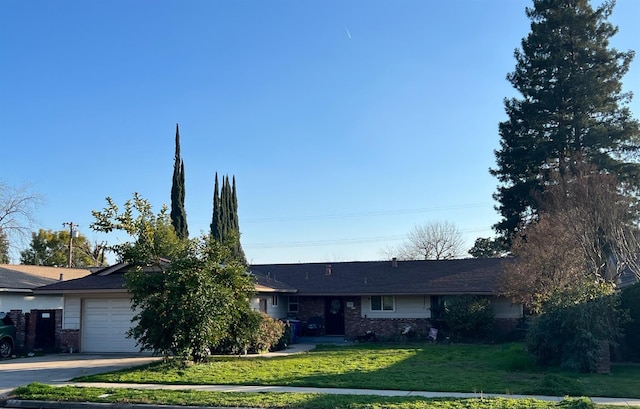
(35,316)
(97,311)
(350,298)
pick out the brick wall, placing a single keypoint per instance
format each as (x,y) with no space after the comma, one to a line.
(30,337)
(58,332)
(26,329)
(70,340)
(310,307)
(19,320)
(384,328)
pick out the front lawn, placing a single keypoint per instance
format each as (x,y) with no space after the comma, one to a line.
(192,398)
(503,368)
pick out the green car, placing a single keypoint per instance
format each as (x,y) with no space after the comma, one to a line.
(7,335)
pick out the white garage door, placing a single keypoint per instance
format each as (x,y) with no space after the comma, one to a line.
(105,324)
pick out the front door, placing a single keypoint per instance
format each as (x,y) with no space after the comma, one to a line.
(334,315)
(45,329)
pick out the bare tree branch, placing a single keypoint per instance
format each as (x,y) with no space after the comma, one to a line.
(429,241)
(18,207)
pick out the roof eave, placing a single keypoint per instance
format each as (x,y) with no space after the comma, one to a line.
(83,291)
(15,290)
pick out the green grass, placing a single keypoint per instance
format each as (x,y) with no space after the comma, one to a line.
(279,400)
(503,368)
(455,368)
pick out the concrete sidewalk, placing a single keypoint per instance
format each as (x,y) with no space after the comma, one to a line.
(336,391)
(343,391)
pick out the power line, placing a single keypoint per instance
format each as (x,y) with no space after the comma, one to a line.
(315,243)
(357,240)
(363,214)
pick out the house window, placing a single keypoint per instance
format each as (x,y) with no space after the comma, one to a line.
(293,303)
(382,303)
(274,300)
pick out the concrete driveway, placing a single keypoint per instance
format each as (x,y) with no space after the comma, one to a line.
(60,368)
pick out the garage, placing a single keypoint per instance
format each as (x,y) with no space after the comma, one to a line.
(105,324)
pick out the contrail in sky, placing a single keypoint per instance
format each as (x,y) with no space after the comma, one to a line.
(348,33)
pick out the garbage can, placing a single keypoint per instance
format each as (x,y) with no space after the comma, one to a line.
(295,330)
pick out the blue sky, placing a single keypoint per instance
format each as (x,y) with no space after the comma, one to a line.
(345,123)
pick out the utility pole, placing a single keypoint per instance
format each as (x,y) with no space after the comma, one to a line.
(70,224)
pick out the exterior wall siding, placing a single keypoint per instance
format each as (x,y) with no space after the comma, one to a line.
(405,307)
(358,323)
(23,302)
(72,311)
(278,311)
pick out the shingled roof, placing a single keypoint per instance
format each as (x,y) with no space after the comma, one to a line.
(464,276)
(107,279)
(14,277)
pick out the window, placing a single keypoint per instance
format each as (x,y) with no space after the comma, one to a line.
(293,303)
(274,300)
(382,303)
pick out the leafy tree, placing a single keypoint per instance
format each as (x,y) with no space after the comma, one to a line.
(430,241)
(225,225)
(178,213)
(51,248)
(196,290)
(192,305)
(571,103)
(4,248)
(154,236)
(488,248)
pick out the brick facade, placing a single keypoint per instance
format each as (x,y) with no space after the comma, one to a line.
(70,340)
(385,328)
(357,326)
(19,320)
(26,329)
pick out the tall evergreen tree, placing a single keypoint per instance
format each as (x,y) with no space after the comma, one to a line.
(178,213)
(571,105)
(239,252)
(216,217)
(225,226)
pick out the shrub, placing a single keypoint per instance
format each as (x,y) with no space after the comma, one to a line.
(630,302)
(469,317)
(253,332)
(570,335)
(239,335)
(268,335)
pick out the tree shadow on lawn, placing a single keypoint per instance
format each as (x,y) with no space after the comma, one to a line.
(505,369)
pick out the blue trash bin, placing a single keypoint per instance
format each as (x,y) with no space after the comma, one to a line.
(295,330)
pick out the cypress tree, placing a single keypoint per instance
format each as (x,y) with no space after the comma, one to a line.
(236,222)
(571,108)
(216,217)
(178,213)
(225,225)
